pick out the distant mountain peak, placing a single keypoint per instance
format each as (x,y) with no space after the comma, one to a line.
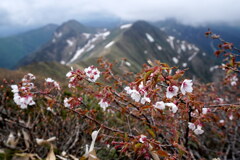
(73,27)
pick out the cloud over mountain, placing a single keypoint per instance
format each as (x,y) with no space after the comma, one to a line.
(35,12)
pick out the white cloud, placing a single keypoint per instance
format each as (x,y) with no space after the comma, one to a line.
(36,12)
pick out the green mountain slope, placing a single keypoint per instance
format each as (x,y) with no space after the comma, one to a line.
(13,48)
(41,70)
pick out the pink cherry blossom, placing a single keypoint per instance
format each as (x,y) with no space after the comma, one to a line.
(103,104)
(198,130)
(14,88)
(49,80)
(69,74)
(172,106)
(135,95)
(221,121)
(205,110)
(128,90)
(92,73)
(191,126)
(234,80)
(23,102)
(145,99)
(66,102)
(142,138)
(171,91)
(55,84)
(186,86)
(159,105)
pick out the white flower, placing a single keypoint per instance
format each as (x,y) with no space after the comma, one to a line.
(14,88)
(49,80)
(198,130)
(234,80)
(29,100)
(186,86)
(25,101)
(231,117)
(70,82)
(160,105)
(56,85)
(135,95)
(171,91)
(145,99)
(17,98)
(66,102)
(205,110)
(221,121)
(195,113)
(31,76)
(92,73)
(191,126)
(103,104)
(219,100)
(49,109)
(173,106)
(142,138)
(141,86)
(128,90)
(69,74)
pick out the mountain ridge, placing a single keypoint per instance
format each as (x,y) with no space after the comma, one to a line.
(139,42)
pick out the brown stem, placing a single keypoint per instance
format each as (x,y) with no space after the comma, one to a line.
(187,128)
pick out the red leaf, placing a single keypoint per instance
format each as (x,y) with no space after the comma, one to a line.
(218,52)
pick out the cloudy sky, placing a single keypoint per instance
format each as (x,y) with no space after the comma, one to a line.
(24,13)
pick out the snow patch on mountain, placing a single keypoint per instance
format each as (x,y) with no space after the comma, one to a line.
(159,47)
(109,44)
(125,26)
(195,48)
(90,48)
(90,43)
(63,62)
(175,60)
(183,46)
(213,68)
(105,34)
(149,37)
(87,35)
(58,35)
(69,42)
(170,40)
(77,54)
(192,56)
(53,40)
(179,50)
(189,46)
